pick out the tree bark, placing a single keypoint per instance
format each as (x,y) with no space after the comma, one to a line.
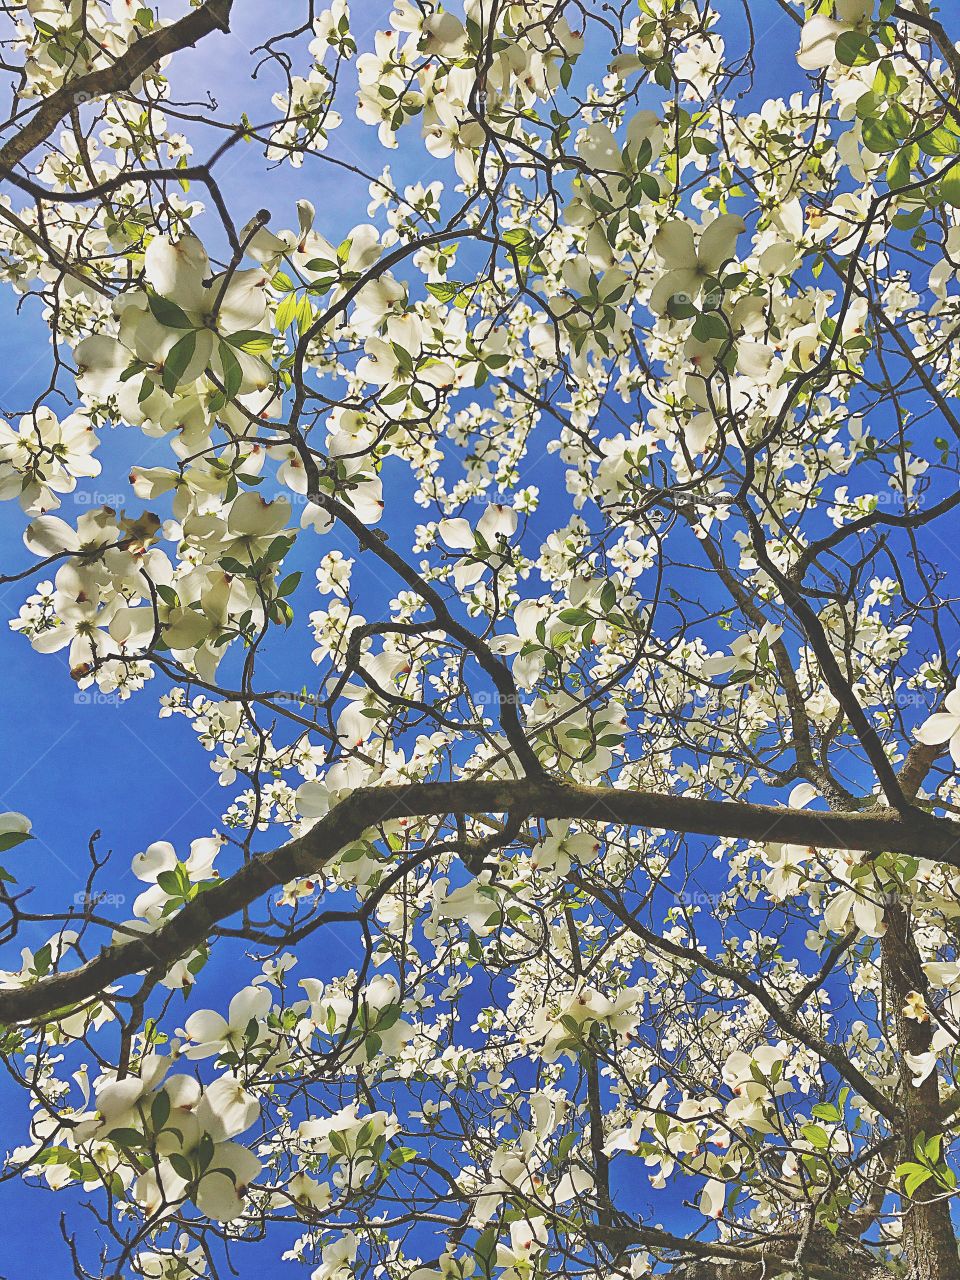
(144,53)
(930,1243)
(875,830)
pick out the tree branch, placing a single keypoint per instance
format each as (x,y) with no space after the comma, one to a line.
(879,830)
(214,15)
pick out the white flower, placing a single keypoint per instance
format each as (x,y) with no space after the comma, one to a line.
(495,527)
(307,1192)
(211,1032)
(159,867)
(336,1260)
(14,829)
(188,311)
(915,1007)
(45,457)
(818,39)
(867,914)
(921,1064)
(227,1109)
(181,1264)
(348,1127)
(690,263)
(526,1240)
(944,726)
(712,1198)
(222,1184)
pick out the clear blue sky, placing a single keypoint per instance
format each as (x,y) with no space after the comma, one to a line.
(77,763)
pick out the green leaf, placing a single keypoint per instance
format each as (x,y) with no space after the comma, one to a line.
(708,327)
(170,883)
(278,548)
(485,1251)
(950,188)
(878,137)
(181,1166)
(168,595)
(160,1110)
(251,340)
(132,369)
(230,565)
(289,584)
(939,142)
(914,1181)
(126,1138)
(856,50)
(305,314)
(232,372)
(446,290)
(168,313)
(901,166)
(175,364)
(286,312)
(10,839)
(680,307)
(817,1136)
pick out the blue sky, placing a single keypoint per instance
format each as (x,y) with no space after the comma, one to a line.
(78,763)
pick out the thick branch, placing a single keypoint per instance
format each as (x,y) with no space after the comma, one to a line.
(874,831)
(214,15)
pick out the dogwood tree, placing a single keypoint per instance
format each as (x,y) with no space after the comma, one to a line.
(585,897)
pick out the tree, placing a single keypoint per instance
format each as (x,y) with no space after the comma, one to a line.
(622,448)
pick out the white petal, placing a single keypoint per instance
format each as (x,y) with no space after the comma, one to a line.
(818,43)
(457,534)
(868,916)
(678,283)
(50,535)
(226,1109)
(251,1002)
(801,795)
(206,1026)
(837,911)
(719,241)
(938,728)
(157,857)
(312,800)
(220,1195)
(12,821)
(177,270)
(251,516)
(498,520)
(712,1199)
(674,243)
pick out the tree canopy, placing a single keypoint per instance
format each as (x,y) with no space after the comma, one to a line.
(557,570)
